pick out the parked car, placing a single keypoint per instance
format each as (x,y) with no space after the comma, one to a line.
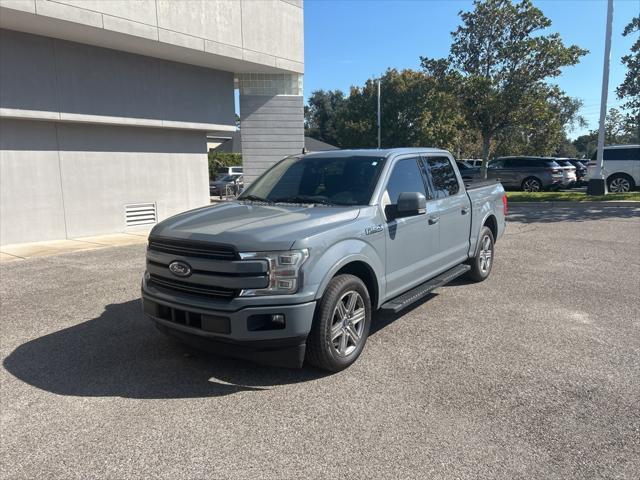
(226,186)
(473,162)
(569,176)
(468,172)
(531,174)
(221,172)
(581,169)
(621,167)
(295,267)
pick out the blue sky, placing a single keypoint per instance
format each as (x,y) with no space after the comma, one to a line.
(348,41)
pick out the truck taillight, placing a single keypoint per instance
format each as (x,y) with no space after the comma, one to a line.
(504,204)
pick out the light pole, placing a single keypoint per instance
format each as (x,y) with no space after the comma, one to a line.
(379,123)
(597,184)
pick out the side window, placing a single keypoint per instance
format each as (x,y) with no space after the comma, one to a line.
(622,154)
(515,163)
(405,177)
(496,164)
(443,175)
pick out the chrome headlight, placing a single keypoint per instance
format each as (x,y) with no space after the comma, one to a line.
(284,271)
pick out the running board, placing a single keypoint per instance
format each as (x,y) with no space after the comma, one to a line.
(403,301)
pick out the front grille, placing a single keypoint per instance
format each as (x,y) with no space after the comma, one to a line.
(209,323)
(197,289)
(192,249)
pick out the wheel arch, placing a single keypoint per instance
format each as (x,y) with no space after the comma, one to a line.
(492,222)
(364,272)
(622,174)
(361,261)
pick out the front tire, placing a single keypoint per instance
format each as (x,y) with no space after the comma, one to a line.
(482,262)
(341,324)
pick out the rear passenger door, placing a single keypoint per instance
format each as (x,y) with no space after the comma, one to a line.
(454,211)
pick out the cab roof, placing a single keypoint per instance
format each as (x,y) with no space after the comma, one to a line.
(375,152)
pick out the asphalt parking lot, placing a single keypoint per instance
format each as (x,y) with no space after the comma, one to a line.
(534,373)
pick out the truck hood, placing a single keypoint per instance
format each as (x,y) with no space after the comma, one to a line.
(253,227)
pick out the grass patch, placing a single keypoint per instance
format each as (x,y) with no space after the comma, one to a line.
(569,197)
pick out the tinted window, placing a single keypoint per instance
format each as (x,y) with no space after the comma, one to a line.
(515,163)
(496,164)
(309,179)
(405,177)
(443,176)
(632,153)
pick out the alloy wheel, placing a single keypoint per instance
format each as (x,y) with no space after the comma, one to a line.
(619,185)
(486,254)
(531,185)
(348,323)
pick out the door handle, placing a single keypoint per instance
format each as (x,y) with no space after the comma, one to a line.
(464,211)
(433,220)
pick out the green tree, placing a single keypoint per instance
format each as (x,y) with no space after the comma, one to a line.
(503,64)
(416,110)
(543,132)
(618,129)
(629,89)
(321,114)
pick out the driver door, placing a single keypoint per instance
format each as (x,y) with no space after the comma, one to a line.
(411,241)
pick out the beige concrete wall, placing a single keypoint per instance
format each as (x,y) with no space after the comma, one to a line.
(60,180)
(233,35)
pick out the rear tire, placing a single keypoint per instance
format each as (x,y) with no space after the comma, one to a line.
(531,184)
(482,262)
(341,324)
(620,183)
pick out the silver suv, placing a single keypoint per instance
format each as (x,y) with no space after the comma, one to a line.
(531,174)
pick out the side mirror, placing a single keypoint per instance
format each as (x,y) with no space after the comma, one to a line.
(411,203)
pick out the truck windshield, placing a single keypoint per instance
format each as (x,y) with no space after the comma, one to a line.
(316,179)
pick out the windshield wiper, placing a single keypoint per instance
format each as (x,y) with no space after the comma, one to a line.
(255,198)
(303,199)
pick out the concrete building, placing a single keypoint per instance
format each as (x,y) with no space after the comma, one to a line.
(105,106)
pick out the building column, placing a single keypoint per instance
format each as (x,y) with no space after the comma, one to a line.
(271,120)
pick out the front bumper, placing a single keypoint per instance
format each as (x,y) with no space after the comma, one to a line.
(245,333)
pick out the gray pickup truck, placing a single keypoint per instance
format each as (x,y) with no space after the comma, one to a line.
(294,268)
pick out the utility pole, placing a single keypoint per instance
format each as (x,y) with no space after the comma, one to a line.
(379,122)
(597,184)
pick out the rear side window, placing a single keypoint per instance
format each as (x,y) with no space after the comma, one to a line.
(515,162)
(443,176)
(632,153)
(405,177)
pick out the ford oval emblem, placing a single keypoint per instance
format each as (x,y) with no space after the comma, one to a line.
(180,269)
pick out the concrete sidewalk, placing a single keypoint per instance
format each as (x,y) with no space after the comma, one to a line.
(21,251)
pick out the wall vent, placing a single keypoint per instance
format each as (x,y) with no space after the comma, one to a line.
(140,214)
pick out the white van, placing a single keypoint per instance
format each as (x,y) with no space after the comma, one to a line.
(621,167)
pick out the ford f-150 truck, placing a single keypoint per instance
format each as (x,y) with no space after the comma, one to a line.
(295,267)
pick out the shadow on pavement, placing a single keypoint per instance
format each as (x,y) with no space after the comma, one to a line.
(121,354)
(571,212)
